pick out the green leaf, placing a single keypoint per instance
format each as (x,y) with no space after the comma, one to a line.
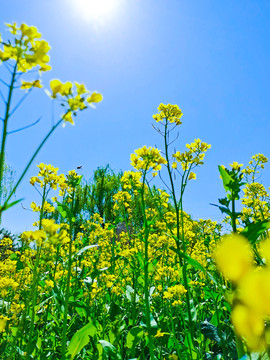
(7,206)
(64,211)
(114,311)
(193,310)
(226,178)
(254,230)
(223,209)
(153,323)
(110,350)
(194,263)
(134,336)
(210,331)
(14,331)
(107,344)
(130,294)
(80,252)
(19,265)
(80,339)
(141,261)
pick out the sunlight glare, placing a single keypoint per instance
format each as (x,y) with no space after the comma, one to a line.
(97,10)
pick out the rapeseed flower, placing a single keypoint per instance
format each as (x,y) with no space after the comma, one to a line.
(74,99)
(193,156)
(145,159)
(234,257)
(169,112)
(27,50)
(3,322)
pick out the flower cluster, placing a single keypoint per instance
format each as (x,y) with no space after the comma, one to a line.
(257,162)
(145,159)
(169,112)
(175,293)
(27,50)
(236,166)
(73,179)
(74,99)
(234,257)
(50,234)
(131,180)
(256,202)
(47,207)
(192,157)
(48,176)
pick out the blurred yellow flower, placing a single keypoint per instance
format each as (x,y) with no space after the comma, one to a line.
(29,84)
(234,257)
(250,325)
(192,176)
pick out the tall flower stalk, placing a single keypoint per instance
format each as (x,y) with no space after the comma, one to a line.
(169,117)
(145,160)
(26,52)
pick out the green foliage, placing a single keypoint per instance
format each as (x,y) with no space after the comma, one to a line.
(80,339)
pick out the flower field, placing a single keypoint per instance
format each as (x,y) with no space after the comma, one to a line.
(115,269)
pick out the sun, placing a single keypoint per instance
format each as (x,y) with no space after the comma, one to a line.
(97,11)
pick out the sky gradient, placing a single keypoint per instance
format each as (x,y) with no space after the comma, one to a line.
(209,57)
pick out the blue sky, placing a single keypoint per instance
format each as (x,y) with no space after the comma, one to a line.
(209,57)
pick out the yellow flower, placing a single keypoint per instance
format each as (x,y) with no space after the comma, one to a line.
(26,49)
(30,32)
(236,166)
(170,112)
(147,158)
(131,179)
(38,236)
(160,334)
(66,89)
(56,86)
(74,100)
(95,97)
(68,118)
(3,322)
(29,84)
(234,257)
(265,250)
(81,89)
(34,206)
(249,324)
(49,283)
(50,226)
(13,28)
(192,175)
(254,291)
(175,292)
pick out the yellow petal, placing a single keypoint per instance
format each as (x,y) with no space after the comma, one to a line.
(234,257)
(56,87)
(95,97)
(249,324)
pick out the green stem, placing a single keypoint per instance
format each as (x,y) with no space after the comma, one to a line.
(31,160)
(176,205)
(64,332)
(4,134)
(35,280)
(146,285)
(233,218)
(176,341)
